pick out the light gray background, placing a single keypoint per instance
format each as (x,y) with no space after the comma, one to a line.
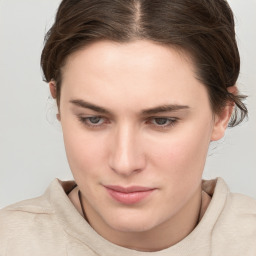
(31,148)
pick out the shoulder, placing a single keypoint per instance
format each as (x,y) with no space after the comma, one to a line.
(232,204)
(38,205)
(237,209)
(241,208)
(27,224)
(22,213)
(236,225)
(242,204)
(240,212)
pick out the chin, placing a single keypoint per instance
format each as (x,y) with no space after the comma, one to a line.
(131,228)
(133,225)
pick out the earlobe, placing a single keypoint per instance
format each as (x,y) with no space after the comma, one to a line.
(53,89)
(221,122)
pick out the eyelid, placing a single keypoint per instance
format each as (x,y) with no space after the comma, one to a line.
(172,121)
(84,120)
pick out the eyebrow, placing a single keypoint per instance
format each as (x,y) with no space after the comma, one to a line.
(150,111)
(164,108)
(85,104)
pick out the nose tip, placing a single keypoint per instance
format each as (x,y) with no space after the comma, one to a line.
(127,156)
(126,165)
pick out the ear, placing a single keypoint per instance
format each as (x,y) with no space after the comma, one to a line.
(53,89)
(233,90)
(221,119)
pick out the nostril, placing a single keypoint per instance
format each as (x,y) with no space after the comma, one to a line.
(127,173)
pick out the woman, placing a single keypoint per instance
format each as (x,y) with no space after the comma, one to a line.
(142,89)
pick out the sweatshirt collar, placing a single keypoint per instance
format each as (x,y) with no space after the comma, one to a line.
(197,242)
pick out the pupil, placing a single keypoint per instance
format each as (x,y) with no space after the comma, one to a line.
(161,121)
(94,120)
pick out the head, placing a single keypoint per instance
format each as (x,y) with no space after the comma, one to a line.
(142,88)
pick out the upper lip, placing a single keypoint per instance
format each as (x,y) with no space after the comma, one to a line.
(131,189)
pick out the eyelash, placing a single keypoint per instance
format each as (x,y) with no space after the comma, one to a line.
(84,120)
(171,122)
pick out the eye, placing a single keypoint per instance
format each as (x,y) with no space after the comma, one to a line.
(162,122)
(93,121)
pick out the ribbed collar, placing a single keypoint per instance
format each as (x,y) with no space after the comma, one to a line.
(196,243)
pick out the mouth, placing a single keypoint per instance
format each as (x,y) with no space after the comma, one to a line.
(129,195)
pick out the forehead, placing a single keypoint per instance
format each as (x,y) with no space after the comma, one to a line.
(139,72)
(109,54)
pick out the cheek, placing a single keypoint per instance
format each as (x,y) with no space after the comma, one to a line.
(182,154)
(84,152)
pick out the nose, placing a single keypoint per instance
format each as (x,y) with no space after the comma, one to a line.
(127,156)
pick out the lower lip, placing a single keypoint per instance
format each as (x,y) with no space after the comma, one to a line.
(129,198)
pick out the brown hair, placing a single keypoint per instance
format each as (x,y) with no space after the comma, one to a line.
(203,28)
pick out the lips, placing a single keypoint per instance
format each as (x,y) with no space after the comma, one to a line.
(129,195)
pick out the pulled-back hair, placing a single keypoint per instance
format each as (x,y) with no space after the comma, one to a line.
(204,29)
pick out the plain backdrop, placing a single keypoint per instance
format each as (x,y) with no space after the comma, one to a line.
(31,148)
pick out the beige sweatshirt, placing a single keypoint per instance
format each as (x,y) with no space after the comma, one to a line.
(51,226)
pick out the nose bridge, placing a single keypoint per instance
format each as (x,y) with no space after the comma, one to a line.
(126,154)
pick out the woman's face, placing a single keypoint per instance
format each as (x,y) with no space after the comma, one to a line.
(137,125)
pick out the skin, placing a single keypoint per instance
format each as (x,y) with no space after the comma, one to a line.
(129,145)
